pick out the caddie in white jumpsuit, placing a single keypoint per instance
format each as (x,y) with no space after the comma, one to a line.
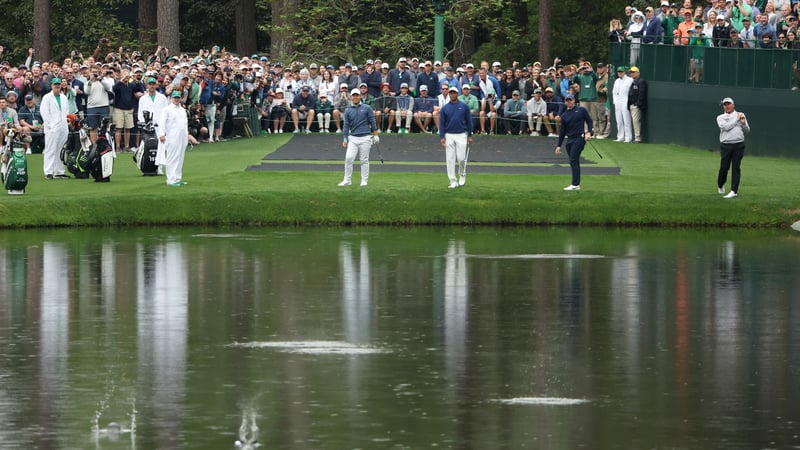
(54,109)
(622,85)
(173,137)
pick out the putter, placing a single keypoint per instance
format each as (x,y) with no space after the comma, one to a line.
(380,154)
(595,149)
(466,158)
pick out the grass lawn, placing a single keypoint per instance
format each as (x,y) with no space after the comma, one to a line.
(660,185)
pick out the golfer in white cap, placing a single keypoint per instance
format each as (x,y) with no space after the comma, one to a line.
(732,128)
(360,131)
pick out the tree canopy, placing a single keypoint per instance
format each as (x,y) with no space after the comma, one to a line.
(331,31)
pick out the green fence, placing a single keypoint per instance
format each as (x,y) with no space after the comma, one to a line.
(679,112)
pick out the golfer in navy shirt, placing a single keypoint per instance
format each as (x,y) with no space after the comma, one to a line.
(572,127)
(455,131)
(360,132)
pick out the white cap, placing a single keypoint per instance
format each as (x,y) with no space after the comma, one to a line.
(355,92)
(343,85)
(423,87)
(453,89)
(279,91)
(727,100)
(496,63)
(385,66)
(437,63)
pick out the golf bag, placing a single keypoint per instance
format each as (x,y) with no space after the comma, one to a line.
(15,164)
(102,154)
(75,154)
(145,155)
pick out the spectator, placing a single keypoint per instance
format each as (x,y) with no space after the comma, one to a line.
(747,33)
(738,11)
(9,115)
(279,110)
(324,111)
(427,78)
(781,43)
(30,119)
(536,109)
(794,43)
(385,105)
(601,85)
(372,78)
(721,32)
(616,34)
(735,41)
(637,102)
(303,108)
(587,78)
(698,43)
(97,103)
(489,107)
(685,26)
(340,104)
(449,78)
(405,109)
(653,31)
(514,114)
(471,101)
(669,23)
(759,29)
(555,107)
(423,107)
(399,75)
(766,41)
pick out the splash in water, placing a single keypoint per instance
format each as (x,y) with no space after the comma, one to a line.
(248,431)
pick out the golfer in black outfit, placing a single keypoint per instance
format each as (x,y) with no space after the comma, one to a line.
(572,126)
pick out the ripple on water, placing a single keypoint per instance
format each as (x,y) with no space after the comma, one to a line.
(547,401)
(313,347)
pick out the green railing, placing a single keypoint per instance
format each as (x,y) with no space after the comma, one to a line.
(736,67)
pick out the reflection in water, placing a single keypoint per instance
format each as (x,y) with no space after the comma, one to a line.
(456,307)
(540,339)
(54,333)
(162,311)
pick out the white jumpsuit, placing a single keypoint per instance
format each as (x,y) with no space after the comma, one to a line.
(621,111)
(56,130)
(174,126)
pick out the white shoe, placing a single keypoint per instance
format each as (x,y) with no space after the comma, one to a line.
(363,183)
(462,180)
(280,131)
(453,185)
(344,183)
(721,190)
(600,136)
(306,131)
(296,130)
(388,131)
(339,131)
(553,135)
(533,133)
(28,151)
(572,188)
(731,194)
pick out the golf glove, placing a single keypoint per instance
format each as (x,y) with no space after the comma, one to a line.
(375,139)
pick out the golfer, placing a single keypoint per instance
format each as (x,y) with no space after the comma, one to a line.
(732,128)
(360,132)
(574,121)
(173,139)
(455,131)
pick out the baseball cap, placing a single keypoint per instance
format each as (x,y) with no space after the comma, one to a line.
(496,63)
(745,18)
(343,86)
(470,66)
(726,100)
(279,91)
(453,89)
(348,65)
(403,85)
(383,85)
(633,69)
(151,80)
(537,91)
(363,85)
(599,65)
(29,97)
(384,65)
(313,66)
(466,86)
(664,3)
(176,94)
(306,89)
(622,69)
(369,62)
(402,59)
(437,63)
(516,93)
(569,97)
(355,92)
(10,93)
(55,80)
(548,89)
(423,87)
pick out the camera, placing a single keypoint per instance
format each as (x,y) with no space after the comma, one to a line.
(104,41)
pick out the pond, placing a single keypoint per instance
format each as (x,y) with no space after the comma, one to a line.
(399,338)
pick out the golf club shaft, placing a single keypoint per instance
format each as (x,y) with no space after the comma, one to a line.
(466,158)
(595,149)
(380,154)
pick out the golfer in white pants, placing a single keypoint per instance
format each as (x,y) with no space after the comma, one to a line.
(54,109)
(360,132)
(455,131)
(622,85)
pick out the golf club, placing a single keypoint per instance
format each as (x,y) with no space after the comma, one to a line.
(466,159)
(380,154)
(595,149)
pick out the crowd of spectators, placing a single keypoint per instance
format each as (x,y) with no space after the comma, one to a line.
(217,86)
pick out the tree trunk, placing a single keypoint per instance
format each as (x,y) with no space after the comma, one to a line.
(168,28)
(147,24)
(246,27)
(545,35)
(283,27)
(41,30)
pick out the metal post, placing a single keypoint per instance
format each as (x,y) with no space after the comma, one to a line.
(438,37)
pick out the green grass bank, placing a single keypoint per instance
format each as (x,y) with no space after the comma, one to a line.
(660,185)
